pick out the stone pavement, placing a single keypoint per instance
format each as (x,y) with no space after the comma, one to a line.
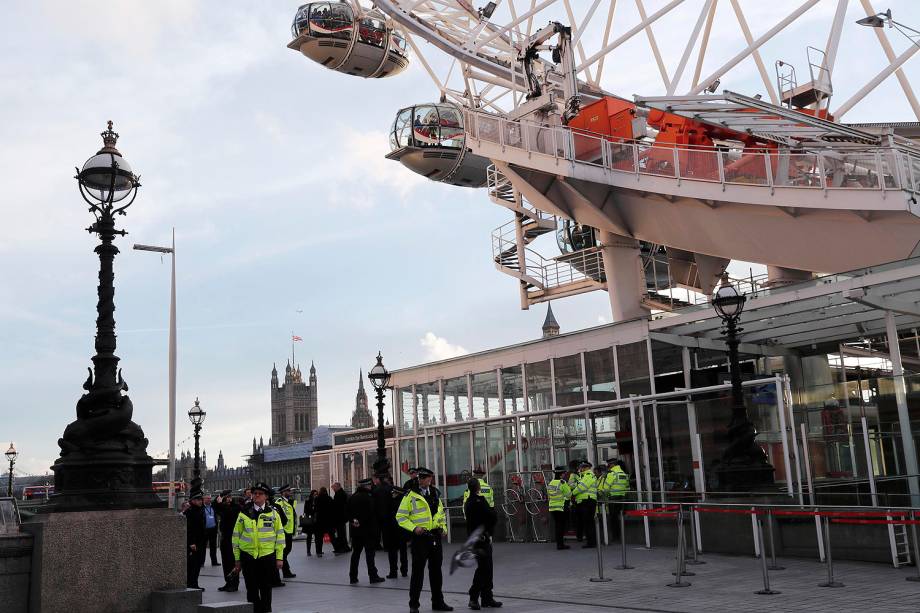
(536,577)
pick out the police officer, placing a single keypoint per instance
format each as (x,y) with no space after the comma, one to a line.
(227,510)
(559,493)
(573,508)
(258,547)
(361,515)
(585,495)
(613,487)
(289,508)
(386,503)
(484,490)
(195,538)
(479,514)
(422,515)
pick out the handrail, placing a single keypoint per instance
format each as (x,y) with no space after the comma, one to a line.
(843,168)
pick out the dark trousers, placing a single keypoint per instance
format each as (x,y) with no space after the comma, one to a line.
(358,544)
(227,563)
(211,534)
(309,533)
(426,551)
(288,544)
(395,541)
(586,515)
(194,560)
(340,539)
(559,523)
(482,578)
(258,573)
(613,519)
(576,517)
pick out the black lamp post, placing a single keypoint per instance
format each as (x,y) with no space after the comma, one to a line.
(196,416)
(380,379)
(104,462)
(744,464)
(11,455)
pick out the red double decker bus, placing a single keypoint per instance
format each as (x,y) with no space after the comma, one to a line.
(37,492)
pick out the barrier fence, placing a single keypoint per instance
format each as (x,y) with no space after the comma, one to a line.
(763,519)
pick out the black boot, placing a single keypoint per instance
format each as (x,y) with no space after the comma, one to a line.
(474,604)
(491,603)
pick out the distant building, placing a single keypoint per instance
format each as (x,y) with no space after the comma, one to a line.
(295,411)
(550,325)
(362,417)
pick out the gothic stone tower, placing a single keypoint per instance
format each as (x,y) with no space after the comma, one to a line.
(294,406)
(361,418)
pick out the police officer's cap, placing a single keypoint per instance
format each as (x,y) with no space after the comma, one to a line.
(611,461)
(413,469)
(561,469)
(424,472)
(585,464)
(262,486)
(284,488)
(195,494)
(365,482)
(478,471)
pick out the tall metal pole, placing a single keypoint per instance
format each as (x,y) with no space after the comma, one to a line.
(172,378)
(382,462)
(9,485)
(196,478)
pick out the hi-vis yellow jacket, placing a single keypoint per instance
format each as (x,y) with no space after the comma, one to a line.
(414,512)
(258,534)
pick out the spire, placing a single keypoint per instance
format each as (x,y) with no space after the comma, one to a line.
(360,380)
(550,325)
(274,370)
(253,445)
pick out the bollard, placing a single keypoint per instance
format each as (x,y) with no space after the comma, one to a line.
(600,555)
(693,557)
(623,565)
(763,563)
(913,533)
(773,564)
(827,555)
(680,551)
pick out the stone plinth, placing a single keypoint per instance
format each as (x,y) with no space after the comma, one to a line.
(105,561)
(15,563)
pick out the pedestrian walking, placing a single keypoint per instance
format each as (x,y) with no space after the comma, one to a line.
(340,499)
(308,520)
(362,517)
(210,529)
(422,515)
(325,520)
(195,538)
(480,514)
(258,547)
(559,493)
(227,512)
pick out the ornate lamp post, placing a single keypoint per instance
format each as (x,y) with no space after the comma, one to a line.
(196,416)
(11,455)
(104,461)
(744,464)
(380,379)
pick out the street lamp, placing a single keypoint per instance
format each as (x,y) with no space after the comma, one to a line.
(103,445)
(196,416)
(380,379)
(171,418)
(880,20)
(744,464)
(11,455)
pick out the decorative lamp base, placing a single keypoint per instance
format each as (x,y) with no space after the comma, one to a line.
(103,481)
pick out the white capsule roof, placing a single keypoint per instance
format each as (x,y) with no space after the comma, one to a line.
(362,44)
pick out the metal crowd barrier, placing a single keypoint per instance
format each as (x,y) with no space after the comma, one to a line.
(763,518)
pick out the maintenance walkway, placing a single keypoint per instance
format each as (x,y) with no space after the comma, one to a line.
(537,578)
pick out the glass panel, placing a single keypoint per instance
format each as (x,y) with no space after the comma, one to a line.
(426,126)
(485,394)
(301,21)
(699,164)
(421,444)
(398,43)
(405,410)
(331,20)
(600,375)
(406,458)
(429,404)
(451,124)
(372,31)
(456,403)
(401,132)
(345,462)
(668,366)
(535,444)
(539,386)
(480,457)
(749,168)
(632,360)
(656,160)
(673,431)
(512,389)
(569,388)
(569,440)
(457,457)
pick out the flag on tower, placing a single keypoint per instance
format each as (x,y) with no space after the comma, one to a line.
(296,338)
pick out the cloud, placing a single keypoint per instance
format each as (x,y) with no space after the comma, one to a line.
(438,348)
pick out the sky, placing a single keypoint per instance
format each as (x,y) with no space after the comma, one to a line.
(287,217)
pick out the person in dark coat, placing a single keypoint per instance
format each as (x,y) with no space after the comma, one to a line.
(308,521)
(195,538)
(282,513)
(325,519)
(340,499)
(361,515)
(227,511)
(386,502)
(479,514)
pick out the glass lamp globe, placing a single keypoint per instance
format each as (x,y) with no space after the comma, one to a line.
(11,453)
(107,176)
(196,414)
(727,301)
(379,375)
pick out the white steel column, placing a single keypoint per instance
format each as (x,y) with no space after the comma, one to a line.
(870,465)
(623,269)
(695,451)
(781,410)
(900,391)
(172,378)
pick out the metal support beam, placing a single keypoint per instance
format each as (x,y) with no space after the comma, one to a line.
(900,390)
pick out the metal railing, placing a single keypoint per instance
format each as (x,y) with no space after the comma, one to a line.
(863,168)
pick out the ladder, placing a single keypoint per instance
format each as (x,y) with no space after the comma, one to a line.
(900,544)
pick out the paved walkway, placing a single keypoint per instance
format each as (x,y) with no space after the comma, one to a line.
(533,577)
